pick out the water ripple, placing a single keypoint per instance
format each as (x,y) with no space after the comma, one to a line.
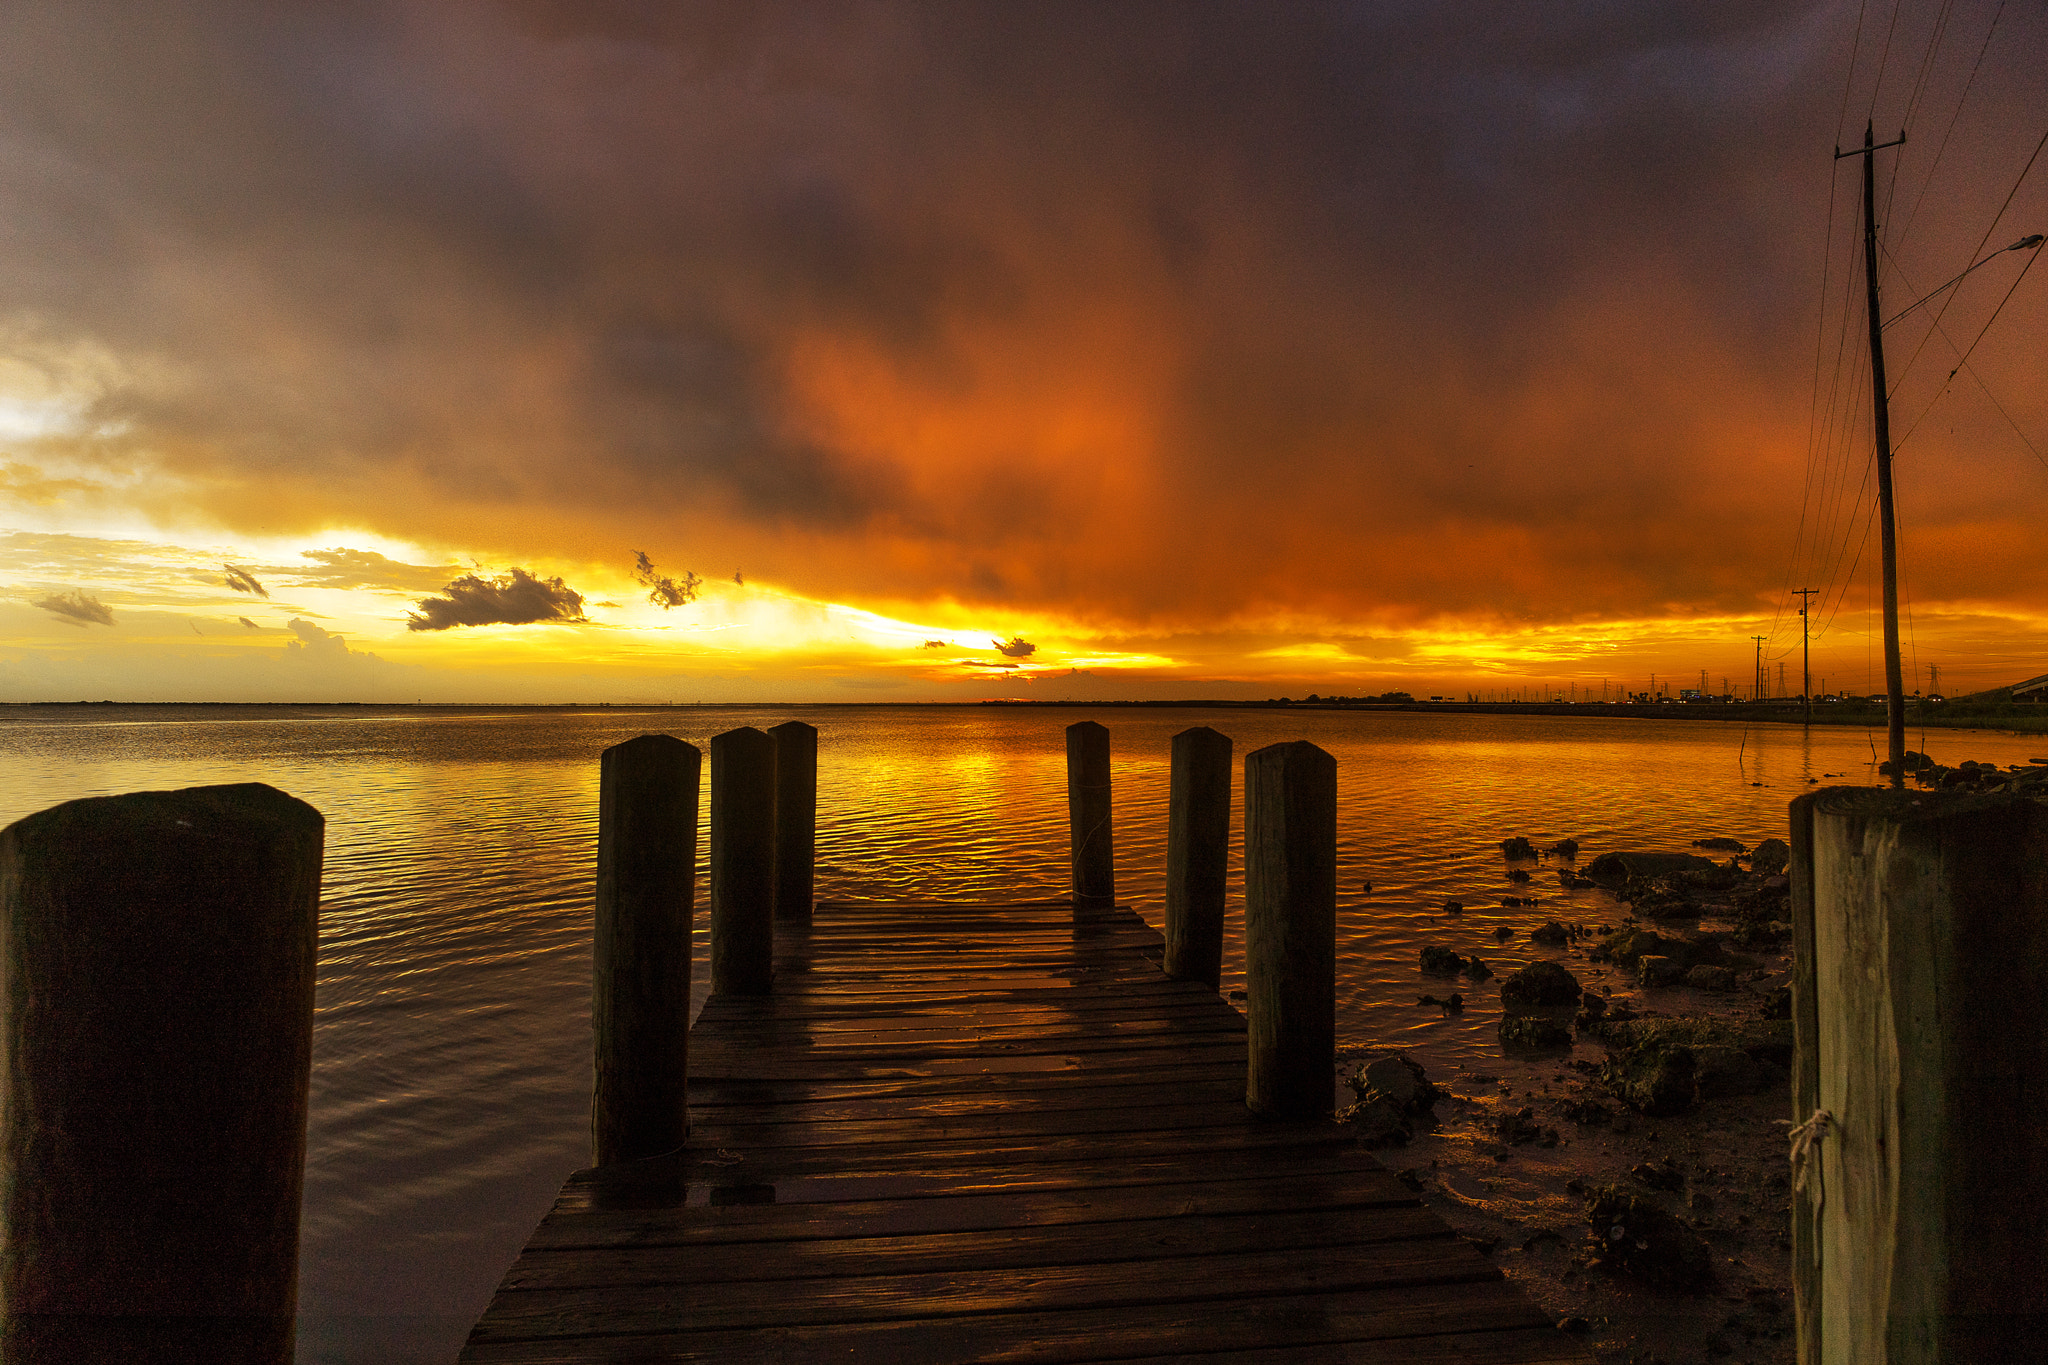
(451,1075)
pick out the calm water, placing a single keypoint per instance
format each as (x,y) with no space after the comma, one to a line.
(451,1069)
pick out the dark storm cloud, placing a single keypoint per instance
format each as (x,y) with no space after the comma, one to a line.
(79,608)
(1016,648)
(1441,294)
(517,598)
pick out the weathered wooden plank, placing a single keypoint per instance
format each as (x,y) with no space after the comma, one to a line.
(654,1307)
(738,1064)
(935,980)
(1015,1153)
(974,1132)
(1407,1316)
(1065,998)
(699,1184)
(1169,1072)
(1109,1035)
(934,940)
(984,1126)
(1221,1095)
(980,985)
(1514,1346)
(578,1221)
(1323,1230)
(818,1015)
(1053,1032)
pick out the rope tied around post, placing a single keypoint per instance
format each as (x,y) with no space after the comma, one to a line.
(1805,1154)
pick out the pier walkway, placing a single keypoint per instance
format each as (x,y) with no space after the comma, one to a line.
(993,1132)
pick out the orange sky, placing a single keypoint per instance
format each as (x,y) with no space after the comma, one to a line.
(1206,349)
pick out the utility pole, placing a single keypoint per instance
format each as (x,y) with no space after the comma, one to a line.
(1894,681)
(1781,679)
(1806,595)
(1934,680)
(1756,688)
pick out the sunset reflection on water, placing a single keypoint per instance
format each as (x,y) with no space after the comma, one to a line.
(451,1053)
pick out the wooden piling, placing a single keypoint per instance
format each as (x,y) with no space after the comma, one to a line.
(796,818)
(1290,929)
(1088,827)
(156,984)
(1920,1007)
(1197,855)
(640,960)
(742,862)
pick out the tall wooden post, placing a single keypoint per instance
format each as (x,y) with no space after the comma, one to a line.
(1197,855)
(156,984)
(1920,1009)
(796,818)
(1290,928)
(742,862)
(1088,827)
(640,960)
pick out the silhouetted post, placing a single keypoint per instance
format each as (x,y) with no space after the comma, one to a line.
(1197,855)
(156,983)
(1088,816)
(742,862)
(640,960)
(1920,1022)
(1290,928)
(796,818)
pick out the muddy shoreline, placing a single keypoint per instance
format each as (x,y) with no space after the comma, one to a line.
(1516,1153)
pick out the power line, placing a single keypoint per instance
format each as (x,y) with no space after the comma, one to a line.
(2001,307)
(1961,100)
(1962,362)
(1976,251)
(2007,416)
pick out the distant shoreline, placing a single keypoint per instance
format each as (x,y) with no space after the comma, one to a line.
(2018,718)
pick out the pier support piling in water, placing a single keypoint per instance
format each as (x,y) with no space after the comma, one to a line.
(796,818)
(1290,929)
(1920,1018)
(742,862)
(640,958)
(157,959)
(1197,855)
(1088,826)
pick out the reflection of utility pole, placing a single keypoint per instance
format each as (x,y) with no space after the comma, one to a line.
(1756,687)
(1806,595)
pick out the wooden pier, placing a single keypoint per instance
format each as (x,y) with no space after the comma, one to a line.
(993,1132)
